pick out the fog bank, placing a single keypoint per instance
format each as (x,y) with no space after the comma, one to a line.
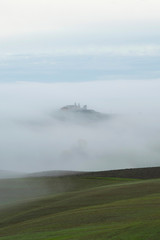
(32,139)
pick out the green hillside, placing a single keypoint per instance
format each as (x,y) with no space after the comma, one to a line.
(80,207)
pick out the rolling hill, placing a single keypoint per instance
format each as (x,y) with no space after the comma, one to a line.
(83,206)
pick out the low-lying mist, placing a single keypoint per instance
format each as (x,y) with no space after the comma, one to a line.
(32,139)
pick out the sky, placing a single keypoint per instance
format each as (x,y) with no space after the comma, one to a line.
(58,40)
(103,53)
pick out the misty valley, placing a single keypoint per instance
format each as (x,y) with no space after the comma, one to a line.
(79,172)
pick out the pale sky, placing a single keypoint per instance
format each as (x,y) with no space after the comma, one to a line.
(126,30)
(41,16)
(31,17)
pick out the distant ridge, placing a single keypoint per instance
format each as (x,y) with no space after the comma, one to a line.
(136,173)
(54,173)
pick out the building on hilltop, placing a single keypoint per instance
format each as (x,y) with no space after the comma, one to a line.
(75,107)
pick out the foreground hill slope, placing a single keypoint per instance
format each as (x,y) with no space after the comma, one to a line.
(88,208)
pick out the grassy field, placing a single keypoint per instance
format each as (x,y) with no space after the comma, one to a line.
(80,207)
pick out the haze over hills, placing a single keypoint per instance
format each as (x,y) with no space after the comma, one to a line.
(11,174)
(17,188)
